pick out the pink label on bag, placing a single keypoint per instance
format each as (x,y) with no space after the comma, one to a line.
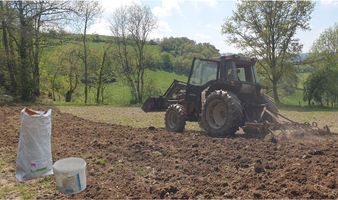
(38,166)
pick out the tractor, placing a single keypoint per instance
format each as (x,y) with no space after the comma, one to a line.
(222,94)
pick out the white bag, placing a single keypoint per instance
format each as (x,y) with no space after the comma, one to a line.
(34,156)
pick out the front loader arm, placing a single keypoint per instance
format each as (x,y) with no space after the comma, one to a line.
(171,96)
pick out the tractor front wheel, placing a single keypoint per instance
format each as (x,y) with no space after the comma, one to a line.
(175,118)
(222,114)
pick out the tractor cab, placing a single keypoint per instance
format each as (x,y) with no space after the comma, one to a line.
(231,73)
(225,68)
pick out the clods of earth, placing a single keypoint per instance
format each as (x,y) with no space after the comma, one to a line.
(126,162)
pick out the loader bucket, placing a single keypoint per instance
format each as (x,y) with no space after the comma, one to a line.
(155,104)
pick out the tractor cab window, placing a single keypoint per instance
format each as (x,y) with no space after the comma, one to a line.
(231,71)
(203,71)
(242,72)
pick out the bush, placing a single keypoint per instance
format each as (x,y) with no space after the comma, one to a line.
(150,89)
(322,88)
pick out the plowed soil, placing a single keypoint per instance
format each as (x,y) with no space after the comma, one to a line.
(126,162)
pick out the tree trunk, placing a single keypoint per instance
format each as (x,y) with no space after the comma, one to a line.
(24,63)
(138,81)
(98,91)
(133,89)
(275,92)
(9,58)
(85,59)
(53,86)
(142,72)
(68,96)
(142,85)
(36,60)
(99,86)
(13,59)
(102,90)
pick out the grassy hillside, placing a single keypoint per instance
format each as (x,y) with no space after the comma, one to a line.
(156,83)
(118,93)
(163,79)
(167,55)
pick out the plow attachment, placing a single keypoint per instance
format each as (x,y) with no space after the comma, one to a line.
(284,125)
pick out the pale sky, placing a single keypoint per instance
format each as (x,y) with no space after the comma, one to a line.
(201,20)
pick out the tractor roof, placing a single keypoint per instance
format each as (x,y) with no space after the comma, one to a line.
(237,57)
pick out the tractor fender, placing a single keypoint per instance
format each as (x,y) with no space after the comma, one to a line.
(204,95)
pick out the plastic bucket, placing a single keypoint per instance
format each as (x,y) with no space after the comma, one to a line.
(70,175)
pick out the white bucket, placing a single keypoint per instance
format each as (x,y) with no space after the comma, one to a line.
(70,175)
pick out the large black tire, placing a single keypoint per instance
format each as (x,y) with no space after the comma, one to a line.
(271,106)
(175,118)
(222,114)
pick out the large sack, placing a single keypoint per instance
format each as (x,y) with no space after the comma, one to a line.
(34,156)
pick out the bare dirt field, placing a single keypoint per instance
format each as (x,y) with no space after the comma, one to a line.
(135,117)
(127,162)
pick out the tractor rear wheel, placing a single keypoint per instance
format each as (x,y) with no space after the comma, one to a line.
(222,114)
(175,118)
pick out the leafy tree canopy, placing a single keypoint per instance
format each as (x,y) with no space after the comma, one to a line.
(266,30)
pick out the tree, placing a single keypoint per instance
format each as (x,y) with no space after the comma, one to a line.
(87,11)
(266,29)
(167,61)
(7,19)
(102,67)
(131,27)
(22,22)
(69,64)
(324,51)
(153,58)
(141,22)
(25,66)
(178,53)
(322,86)
(44,14)
(51,70)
